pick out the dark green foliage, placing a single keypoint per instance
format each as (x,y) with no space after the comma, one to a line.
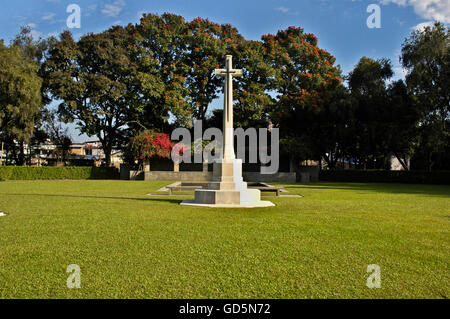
(368,88)
(178,58)
(20,97)
(426,56)
(96,78)
(54,173)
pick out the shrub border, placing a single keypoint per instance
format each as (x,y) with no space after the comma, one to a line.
(55,173)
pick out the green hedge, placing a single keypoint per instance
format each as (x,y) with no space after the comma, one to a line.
(383,176)
(66,172)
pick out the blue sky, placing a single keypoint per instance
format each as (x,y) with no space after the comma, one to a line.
(340,25)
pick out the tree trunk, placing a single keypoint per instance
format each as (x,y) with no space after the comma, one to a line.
(6,154)
(1,153)
(430,162)
(21,155)
(329,160)
(14,153)
(107,149)
(108,156)
(402,162)
(293,164)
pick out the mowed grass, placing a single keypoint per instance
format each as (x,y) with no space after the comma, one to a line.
(130,245)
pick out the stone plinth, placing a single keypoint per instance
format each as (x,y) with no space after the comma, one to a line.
(227,175)
(227,189)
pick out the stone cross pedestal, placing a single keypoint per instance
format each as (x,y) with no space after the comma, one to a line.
(227,188)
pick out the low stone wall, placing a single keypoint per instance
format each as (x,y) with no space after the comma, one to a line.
(196,176)
(201,177)
(178,176)
(270,178)
(130,175)
(308,174)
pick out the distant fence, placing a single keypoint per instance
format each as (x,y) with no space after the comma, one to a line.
(53,173)
(383,176)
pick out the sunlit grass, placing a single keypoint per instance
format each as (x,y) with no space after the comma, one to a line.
(130,245)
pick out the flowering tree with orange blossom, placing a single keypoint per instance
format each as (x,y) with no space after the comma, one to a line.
(183,56)
(305,81)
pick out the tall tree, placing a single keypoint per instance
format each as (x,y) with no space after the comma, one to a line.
(159,44)
(205,50)
(30,48)
(399,123)
(368,86)
(190,51)
(20,98)
(332,133)
(98,81)
(426,56)
(304,76)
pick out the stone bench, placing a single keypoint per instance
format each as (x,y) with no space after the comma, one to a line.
(182,186)
(268,189)
(178,187)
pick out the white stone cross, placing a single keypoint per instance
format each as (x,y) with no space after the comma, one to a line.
(228,73)
(227,187)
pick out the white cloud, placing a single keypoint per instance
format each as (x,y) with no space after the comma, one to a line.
(114,9)
(34,33)
(48,17)
(428,9)
(422,25)
(90,9)
(283,9)
(287,11)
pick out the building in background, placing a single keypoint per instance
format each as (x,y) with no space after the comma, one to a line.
(78,154)
(77,149)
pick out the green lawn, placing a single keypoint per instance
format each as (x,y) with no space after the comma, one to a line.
(129,245)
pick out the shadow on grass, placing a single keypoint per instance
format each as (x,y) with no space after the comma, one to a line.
(414,189)
(409,189)
(172,201)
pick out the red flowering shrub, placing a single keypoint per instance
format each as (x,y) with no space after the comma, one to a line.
(149,144)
